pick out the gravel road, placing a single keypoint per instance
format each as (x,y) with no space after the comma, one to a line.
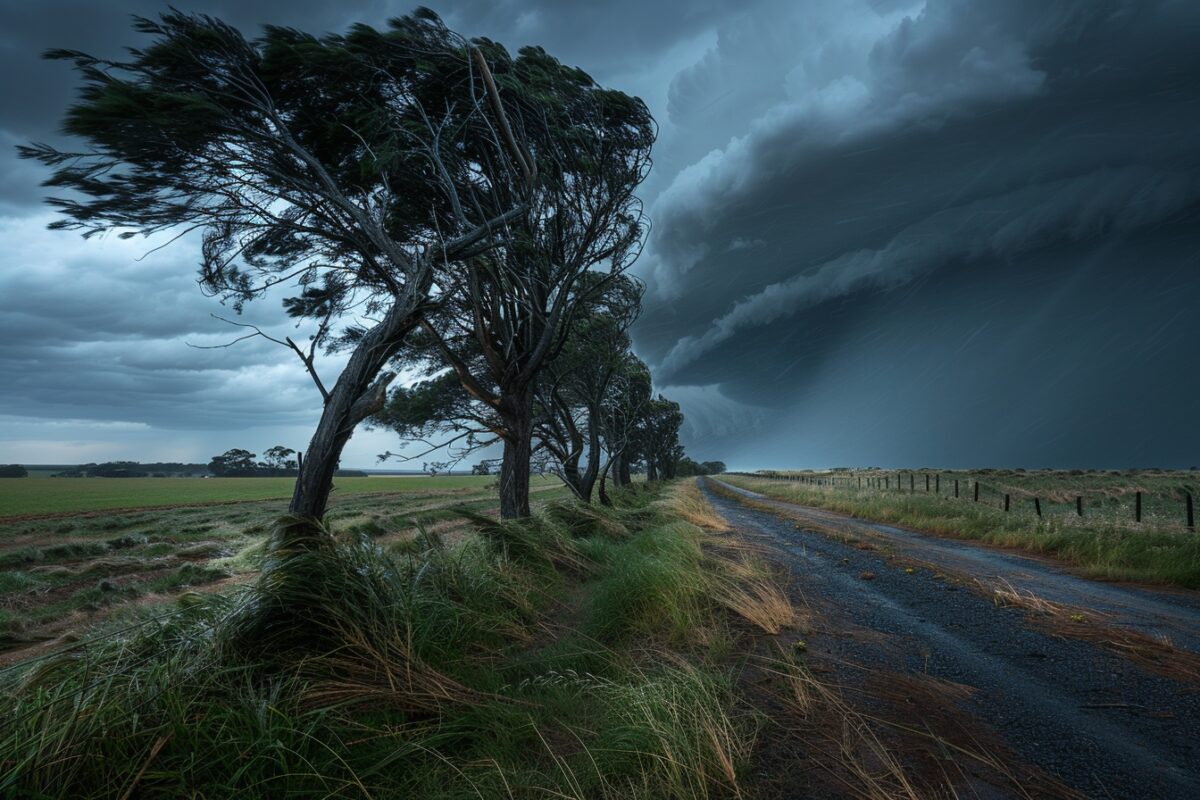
(1100,723)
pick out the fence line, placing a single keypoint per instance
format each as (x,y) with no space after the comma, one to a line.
(883,483)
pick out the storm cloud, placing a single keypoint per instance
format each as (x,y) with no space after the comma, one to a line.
(904,224)
(885,231)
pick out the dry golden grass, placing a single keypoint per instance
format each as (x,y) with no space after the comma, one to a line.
(1157,655)
(760,601)
(686,501)
(850,752)
(875,758)
(740,581)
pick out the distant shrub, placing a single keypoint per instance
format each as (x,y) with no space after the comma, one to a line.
(13,471)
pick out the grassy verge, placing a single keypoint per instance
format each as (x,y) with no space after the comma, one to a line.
(582,653)
(1102,546)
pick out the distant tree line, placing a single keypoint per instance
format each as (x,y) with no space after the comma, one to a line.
(13,471)
(277,462)
(687,467)
(132,469)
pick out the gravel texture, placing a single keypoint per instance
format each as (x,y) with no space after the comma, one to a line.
(1101,724)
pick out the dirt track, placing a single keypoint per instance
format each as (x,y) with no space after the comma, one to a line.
(893,602)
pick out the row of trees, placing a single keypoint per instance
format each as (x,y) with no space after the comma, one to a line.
(592,417)
(441,205)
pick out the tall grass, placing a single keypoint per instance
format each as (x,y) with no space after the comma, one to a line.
(1101,546)
(575,654)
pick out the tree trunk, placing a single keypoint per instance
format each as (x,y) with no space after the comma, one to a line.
(614,469)
(651,470)
(587,481)
(570,473)
(570,463)
(605,500)
(517,413)
(360,391)
(624,478)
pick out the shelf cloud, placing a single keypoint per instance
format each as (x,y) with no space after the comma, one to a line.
(983,210)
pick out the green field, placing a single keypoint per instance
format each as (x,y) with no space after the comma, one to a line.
(60,572)
(21,496)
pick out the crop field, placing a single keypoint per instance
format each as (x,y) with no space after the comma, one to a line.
(62,572)
(28,496)
(1087,518)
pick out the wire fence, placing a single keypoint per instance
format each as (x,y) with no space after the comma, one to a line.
(1117,502)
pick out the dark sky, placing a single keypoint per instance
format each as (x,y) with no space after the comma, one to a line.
(900,233)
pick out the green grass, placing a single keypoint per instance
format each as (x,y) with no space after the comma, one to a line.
(26,496)
(1105,542)
(576,655)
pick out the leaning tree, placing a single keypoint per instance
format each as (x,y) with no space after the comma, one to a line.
(573,391)
(508,312)
(352,168)
(622,412)
(658,437)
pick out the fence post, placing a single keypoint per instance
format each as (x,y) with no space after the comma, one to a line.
(976,491)
(938,484)
(887,482)
(912,483)
(956,487)
(1137,508)
(1079,505)
(927,481)
(1006,503)
(1037,505)
(1191,514)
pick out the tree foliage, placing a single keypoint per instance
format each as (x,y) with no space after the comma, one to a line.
(348,168)
(422,201)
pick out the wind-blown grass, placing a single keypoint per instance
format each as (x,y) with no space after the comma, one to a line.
(575,654)
(1100,545)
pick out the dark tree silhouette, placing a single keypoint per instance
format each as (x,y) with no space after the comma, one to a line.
(348,166)
(509,311)
(573,392)
(628,397)
(659,438)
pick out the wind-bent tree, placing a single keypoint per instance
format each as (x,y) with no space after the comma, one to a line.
(659,438)
(354,166)
(573,390)
(509,311)
(622,412)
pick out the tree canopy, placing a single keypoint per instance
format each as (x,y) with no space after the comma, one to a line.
(421,201)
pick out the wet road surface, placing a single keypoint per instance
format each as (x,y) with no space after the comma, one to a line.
(1102,724)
